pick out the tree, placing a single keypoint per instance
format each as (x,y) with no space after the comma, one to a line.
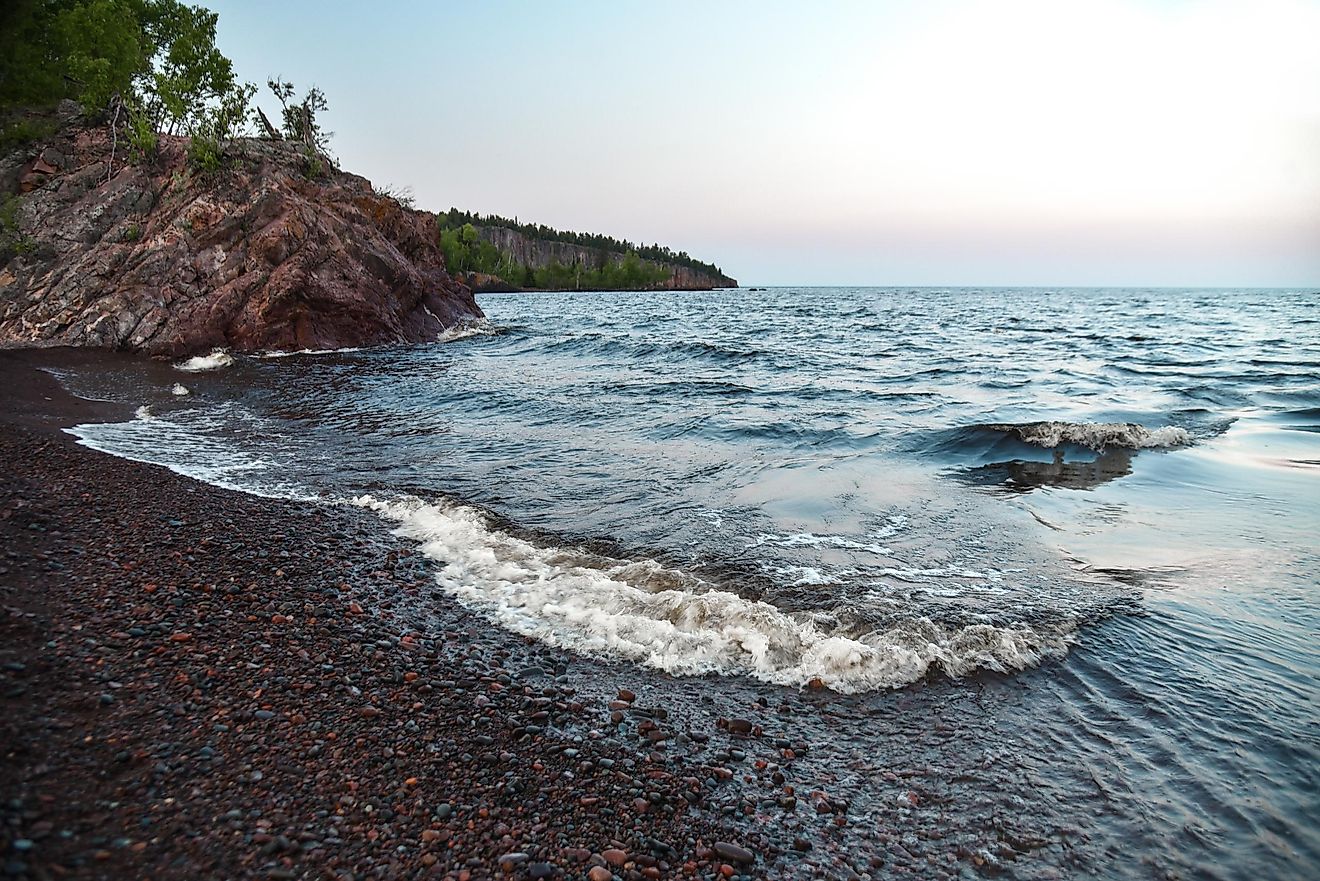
(299,117)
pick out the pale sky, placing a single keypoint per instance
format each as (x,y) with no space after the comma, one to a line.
(944,142)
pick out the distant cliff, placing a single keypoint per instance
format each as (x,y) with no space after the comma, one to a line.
(497,253)
(272,251)
(543,254)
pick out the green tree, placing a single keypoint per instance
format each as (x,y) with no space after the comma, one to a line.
(102,48)
(300,117)
(189,75)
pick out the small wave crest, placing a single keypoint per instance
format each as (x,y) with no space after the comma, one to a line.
(1096,436)
(217,359)
(671,620)
(469,328)
(279,353)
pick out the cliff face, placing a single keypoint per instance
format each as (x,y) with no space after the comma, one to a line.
(268,253)
(540,253)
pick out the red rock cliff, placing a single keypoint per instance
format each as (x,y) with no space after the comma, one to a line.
(268,253)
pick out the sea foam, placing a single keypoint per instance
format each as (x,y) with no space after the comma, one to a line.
(671,620)
(470,328)
(214,361)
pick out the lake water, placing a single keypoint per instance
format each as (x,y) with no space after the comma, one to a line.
(1097,509)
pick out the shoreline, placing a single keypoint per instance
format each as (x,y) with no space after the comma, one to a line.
(200,683)
(328,710)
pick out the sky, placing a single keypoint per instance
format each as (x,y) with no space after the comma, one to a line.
(942,142)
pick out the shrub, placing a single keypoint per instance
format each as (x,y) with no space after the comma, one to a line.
(402,195)
(203,154)
(141,134)
(21,132)
(13,242)
(313,167)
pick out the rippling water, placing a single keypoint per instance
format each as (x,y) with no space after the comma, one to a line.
(1118,491)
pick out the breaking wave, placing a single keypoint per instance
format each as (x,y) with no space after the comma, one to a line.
(671,620)
(280,353)
(214,361)
(470,328)
(1096,436)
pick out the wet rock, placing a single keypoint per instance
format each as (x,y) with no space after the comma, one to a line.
(734,853)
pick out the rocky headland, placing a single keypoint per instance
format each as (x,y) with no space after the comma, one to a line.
(274,250)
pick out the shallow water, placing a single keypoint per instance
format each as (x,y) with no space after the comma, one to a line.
(870,487)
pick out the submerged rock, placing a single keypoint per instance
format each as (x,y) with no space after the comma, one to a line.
(273,251)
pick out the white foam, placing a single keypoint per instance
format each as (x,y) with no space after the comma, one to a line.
(805,576)
(671,620)
(465,329)
(917,572)
(214,361)
(282,354)
(180,389)
(187,444)
(1098,435)
(812,540)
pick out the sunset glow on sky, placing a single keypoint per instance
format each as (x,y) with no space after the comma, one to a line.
(1104,142)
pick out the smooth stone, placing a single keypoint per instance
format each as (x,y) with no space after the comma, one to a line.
(734,852)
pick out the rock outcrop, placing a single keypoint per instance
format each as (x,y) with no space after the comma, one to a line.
(540,253)
(274,251)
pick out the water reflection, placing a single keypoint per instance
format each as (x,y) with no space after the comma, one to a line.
(1025,475)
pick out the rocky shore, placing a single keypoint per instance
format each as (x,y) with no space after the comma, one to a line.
(274,249)
(201,684)
(198,683)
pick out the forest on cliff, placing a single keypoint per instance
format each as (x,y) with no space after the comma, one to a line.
(466,251)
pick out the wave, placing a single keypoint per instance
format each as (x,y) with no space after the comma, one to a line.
(469,328)
(217,359)
(196,444)
(670,351)
(1096,436)
(671,620)
(283,354)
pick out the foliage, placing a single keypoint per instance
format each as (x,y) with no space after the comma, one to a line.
(313,166)
(13,241)
(54,49)
(156,59)
(403,195)
(455,219)
(203,154)
(218,125)
(22,131)
(299,118)
(102,46)
(160,51)
(141,134)
(188,76)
